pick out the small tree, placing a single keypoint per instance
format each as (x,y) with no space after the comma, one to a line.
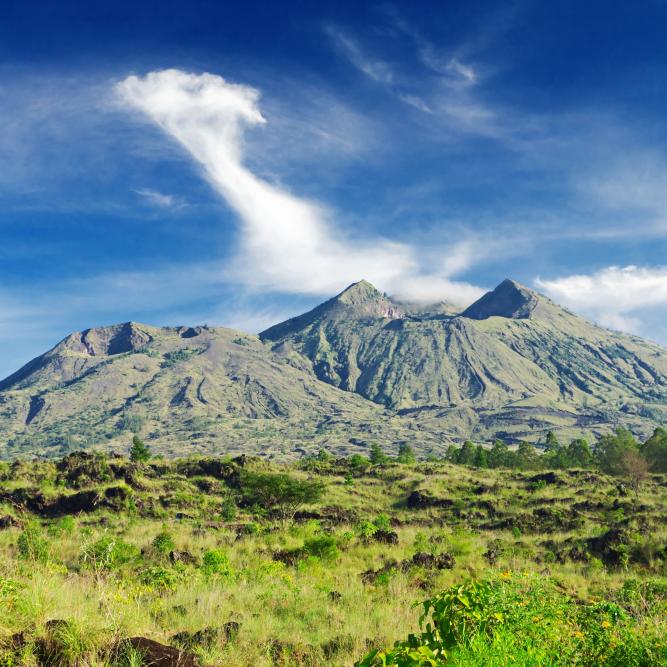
(551,443)
(527,457)
(323,456)
(406,454)
(377,456)
(579,454)
(466,455)
(280,492)
(499,455)
(481,458)
(139,451)
(655,450)
(635,468)
(610,451)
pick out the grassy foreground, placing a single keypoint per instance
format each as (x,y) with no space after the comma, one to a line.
(527,568)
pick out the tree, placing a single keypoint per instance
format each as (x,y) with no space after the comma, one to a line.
(323,456)
(527,457)
(579,454)
(499,455)
(610,451)
(280,492)
(635,468)
(406,454)
(466,455)
(358,462)
(377,456)
(655,450)
(139,451)
(551,442)
(481,459)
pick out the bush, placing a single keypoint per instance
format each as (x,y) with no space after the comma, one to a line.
(215,562)
(163,543)
(161,578)
(324,547)
(521,620)
(279,491)
(228,509)
(108,553)
(33,544)
(139,452)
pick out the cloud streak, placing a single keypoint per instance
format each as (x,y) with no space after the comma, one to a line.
(288,244)
(614,296)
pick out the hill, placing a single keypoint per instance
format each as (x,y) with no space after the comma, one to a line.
(357,369)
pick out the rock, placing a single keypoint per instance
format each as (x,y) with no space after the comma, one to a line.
(290,654)
(419,500)
(8,521)
(443,561)
(206,637)
(335,596)
(610,547)
(385,536)
(230,630)
(546,477)
(183,557)
(288,556)
(161,655)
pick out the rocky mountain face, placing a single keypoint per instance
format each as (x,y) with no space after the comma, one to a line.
(359,368)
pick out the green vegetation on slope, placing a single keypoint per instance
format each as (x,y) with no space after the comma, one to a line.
(237,562)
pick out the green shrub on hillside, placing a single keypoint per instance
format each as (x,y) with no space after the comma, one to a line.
(524,620)
(33,544)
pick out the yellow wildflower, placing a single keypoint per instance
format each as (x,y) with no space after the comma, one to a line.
(606,624)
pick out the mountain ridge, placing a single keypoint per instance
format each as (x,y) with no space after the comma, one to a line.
(358,368)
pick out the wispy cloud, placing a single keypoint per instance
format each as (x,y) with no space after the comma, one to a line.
(376,69)
(613,296)
(160,199)
(444,89)
(288,244)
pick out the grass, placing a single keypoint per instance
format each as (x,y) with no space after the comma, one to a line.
(102,576)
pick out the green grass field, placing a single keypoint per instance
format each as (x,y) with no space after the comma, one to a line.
(547,569)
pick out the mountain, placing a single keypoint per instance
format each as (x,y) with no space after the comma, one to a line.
(357,369)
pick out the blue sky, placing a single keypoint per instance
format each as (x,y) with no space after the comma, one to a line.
(236,163)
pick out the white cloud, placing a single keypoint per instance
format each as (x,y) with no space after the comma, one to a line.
(288,244)
(375,69)
(614,296)
(160,199)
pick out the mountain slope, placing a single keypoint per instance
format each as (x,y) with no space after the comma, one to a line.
(513,347)
(215,386)
(359,368)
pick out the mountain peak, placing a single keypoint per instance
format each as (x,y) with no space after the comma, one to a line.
(509,299)
(359,300)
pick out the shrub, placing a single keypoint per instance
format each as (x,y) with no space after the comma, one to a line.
(366,529)
(33,544)
(139,452)
(215,562)
(382,522)
(282,492)
(163,543)
(108,553)
(161,578)
(525,621)
(228,509)
(324,547)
